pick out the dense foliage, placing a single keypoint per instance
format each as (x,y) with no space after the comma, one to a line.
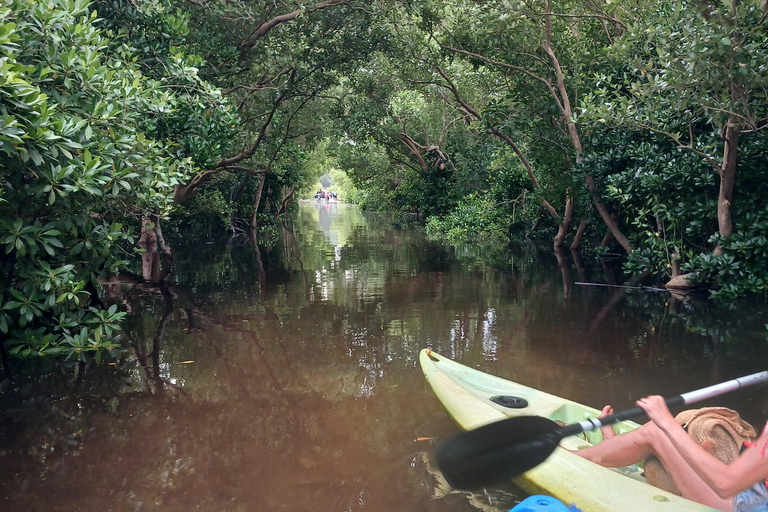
(643,122)
(692,75)
(636,128)
(90,144)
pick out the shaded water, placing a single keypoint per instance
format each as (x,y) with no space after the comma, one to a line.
(286,377)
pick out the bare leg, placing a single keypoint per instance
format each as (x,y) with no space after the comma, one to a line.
(608,432)
(618,451)
(638,444)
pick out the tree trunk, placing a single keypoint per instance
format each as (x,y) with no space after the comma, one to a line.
(256,202)
(287,194)
(152,240)
(532,177)
(727,177)
(565,270)
(607,239)
(579,265)
(413,147)
(562,231)
(567,113)
(150,259)
(538,222)
(182,194)
(164,248)
(579,234)
(607,218)
(234,196)
(260,272)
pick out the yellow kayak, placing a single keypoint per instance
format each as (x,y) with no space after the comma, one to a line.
(467,396)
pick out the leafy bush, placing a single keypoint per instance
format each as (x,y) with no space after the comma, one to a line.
(667,203)
(475,219)
(77,171)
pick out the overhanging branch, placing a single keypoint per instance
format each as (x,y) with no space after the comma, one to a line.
(262,30)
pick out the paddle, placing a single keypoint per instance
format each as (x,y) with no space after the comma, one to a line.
(507,448)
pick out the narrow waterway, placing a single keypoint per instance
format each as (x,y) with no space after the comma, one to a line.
(286,376)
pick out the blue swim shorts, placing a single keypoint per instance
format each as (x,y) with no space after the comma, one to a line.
(754,499)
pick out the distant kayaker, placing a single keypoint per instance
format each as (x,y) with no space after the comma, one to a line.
(701,477)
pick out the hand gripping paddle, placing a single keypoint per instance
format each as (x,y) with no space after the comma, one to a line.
(499,451)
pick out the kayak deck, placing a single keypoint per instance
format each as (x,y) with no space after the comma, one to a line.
(466,395)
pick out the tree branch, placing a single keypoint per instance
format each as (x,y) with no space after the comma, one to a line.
(504,65)
(262,30)
(689,146)
(565,106)
(248,152)
(414,147)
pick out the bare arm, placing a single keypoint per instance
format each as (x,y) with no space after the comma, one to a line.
(726,480)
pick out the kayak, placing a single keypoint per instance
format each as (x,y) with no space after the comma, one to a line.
(473,398)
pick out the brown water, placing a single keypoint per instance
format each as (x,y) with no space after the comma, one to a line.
(287,378)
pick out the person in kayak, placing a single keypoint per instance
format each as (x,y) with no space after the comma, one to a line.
(701,477)
(607,431)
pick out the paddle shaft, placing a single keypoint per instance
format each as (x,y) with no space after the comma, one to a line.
(510,447)
(684,399)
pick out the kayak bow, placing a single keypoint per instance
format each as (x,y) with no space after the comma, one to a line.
(473,399)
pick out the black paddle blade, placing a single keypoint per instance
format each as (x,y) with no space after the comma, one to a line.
(497,452)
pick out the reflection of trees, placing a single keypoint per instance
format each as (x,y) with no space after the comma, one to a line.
(157,341)
(381,274)
(565,270)
(387,292)
(733,327)
(151,300)
(304,390)
(296,436)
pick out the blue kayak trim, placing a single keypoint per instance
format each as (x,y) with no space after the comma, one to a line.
(540,503)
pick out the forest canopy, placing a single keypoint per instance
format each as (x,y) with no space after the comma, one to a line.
(633,128)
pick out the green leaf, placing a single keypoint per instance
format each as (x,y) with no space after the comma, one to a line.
(12,305)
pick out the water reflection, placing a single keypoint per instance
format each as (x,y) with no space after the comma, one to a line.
(286,377)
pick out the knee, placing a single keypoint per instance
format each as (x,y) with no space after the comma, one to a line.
(650,434)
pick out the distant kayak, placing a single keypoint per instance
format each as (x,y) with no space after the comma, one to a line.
(473,398)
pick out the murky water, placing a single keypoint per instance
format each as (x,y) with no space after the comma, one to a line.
(286,377)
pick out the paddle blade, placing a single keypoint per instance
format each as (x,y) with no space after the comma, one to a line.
(497,452)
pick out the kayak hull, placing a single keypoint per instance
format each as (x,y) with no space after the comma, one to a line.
(466,395)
